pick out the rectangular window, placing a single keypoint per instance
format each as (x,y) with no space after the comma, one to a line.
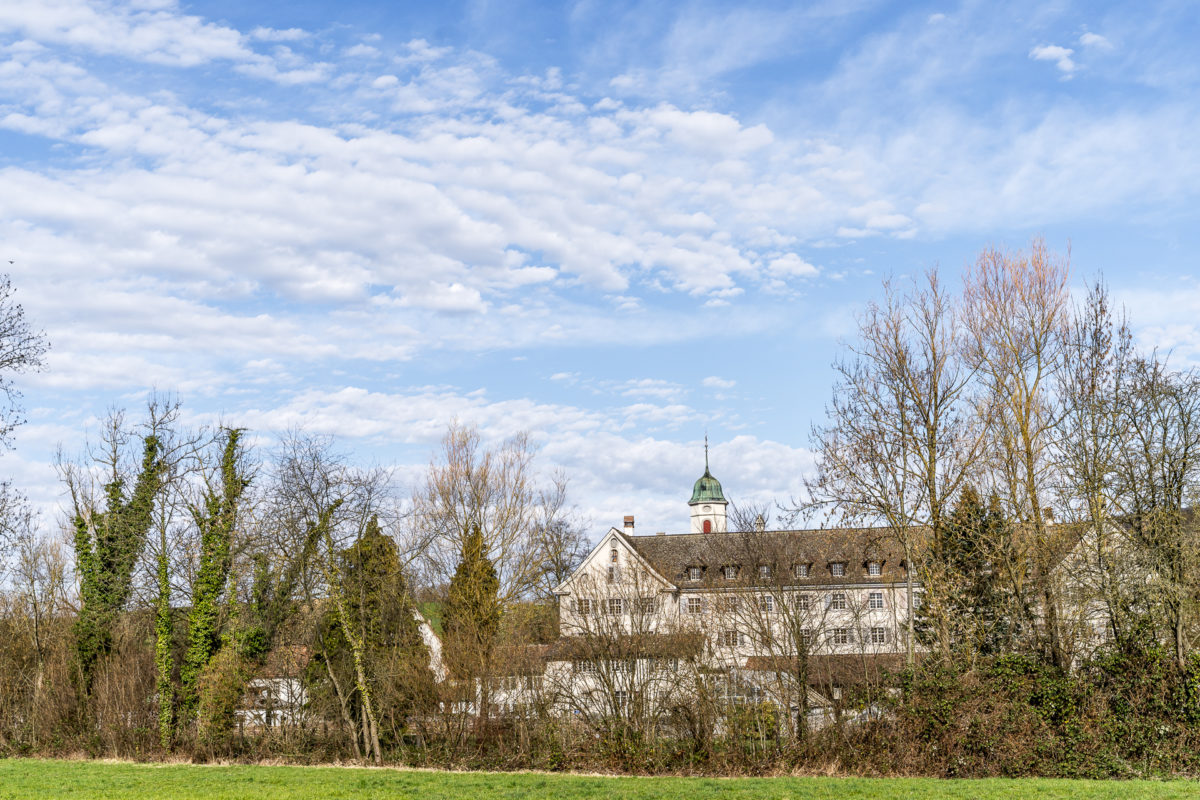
(875,600)
(621,697)
(729,573)
(612,574)
(800,570)
(837,568)
(842,636)
(648,605)
(766,603)
(693,573)
(615,606)
(693,605)
(803,602)
(587,667)
(583,606)
(728,604)
(613,555)
(730,638)
(764,570)
(874,568)
(622,666)
(807,637)
(837,600)
(878,635)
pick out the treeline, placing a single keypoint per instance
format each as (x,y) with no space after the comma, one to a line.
(214,595)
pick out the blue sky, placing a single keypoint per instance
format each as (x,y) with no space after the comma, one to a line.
(615,225)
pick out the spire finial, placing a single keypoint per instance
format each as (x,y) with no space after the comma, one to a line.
(706,450)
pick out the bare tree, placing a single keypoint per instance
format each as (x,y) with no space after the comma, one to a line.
(899,443)
(1015,309)
(1159,477)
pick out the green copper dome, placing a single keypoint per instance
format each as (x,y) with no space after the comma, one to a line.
(707,490)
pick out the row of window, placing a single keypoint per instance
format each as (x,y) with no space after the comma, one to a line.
(837,569)
(808,637)
(837,601)
(624,666)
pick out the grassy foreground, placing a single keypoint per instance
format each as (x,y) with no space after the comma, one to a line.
(27,778)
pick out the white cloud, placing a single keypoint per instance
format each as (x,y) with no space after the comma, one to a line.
(1095,40)
(791,265)
(1061,56)
(714,382)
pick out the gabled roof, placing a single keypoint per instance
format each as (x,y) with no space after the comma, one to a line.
(782,550)
(616,535)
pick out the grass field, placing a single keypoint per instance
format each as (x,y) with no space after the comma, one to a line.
(24,778)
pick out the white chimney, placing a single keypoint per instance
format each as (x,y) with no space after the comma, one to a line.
(629,525)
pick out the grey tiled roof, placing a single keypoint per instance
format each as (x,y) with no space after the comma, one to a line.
(780,550)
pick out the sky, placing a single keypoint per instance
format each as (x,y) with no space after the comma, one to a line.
(616,225)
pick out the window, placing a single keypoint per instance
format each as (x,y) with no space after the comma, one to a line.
(800,570)
(583,606)
(621,697)
(615,606)
(729,572)
(837,568)
(842,636)
(729,603)
(612,574)
(808,637)
(588,667)
(613,555)
(837,600)
(730,638)
(693,605)
(764,570)
(766,603)
(875,600)
(874,568)
(803,602)
(878,635)
(693,573)
(622,666)
(648,605)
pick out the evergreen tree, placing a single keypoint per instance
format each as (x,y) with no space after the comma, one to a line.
(968,607)
(472,615)
(379,609)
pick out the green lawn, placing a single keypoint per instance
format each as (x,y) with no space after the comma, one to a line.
(26,778)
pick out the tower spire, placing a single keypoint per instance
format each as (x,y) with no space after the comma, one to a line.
(706,452)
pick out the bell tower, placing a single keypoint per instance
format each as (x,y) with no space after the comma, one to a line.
(708,501)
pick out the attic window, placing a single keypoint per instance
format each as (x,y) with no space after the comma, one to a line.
(613,555)
(837,568)
(693,573)
(729,572)
(800,570)
(764,570)
(874,568)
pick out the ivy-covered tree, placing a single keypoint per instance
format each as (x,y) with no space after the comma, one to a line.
(216,521)
(107,546)
(472,616)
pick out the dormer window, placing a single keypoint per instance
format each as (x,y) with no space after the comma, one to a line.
(693,573)
(801,570)
(764,571)
(874,568)
(729,572)
(837,568)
